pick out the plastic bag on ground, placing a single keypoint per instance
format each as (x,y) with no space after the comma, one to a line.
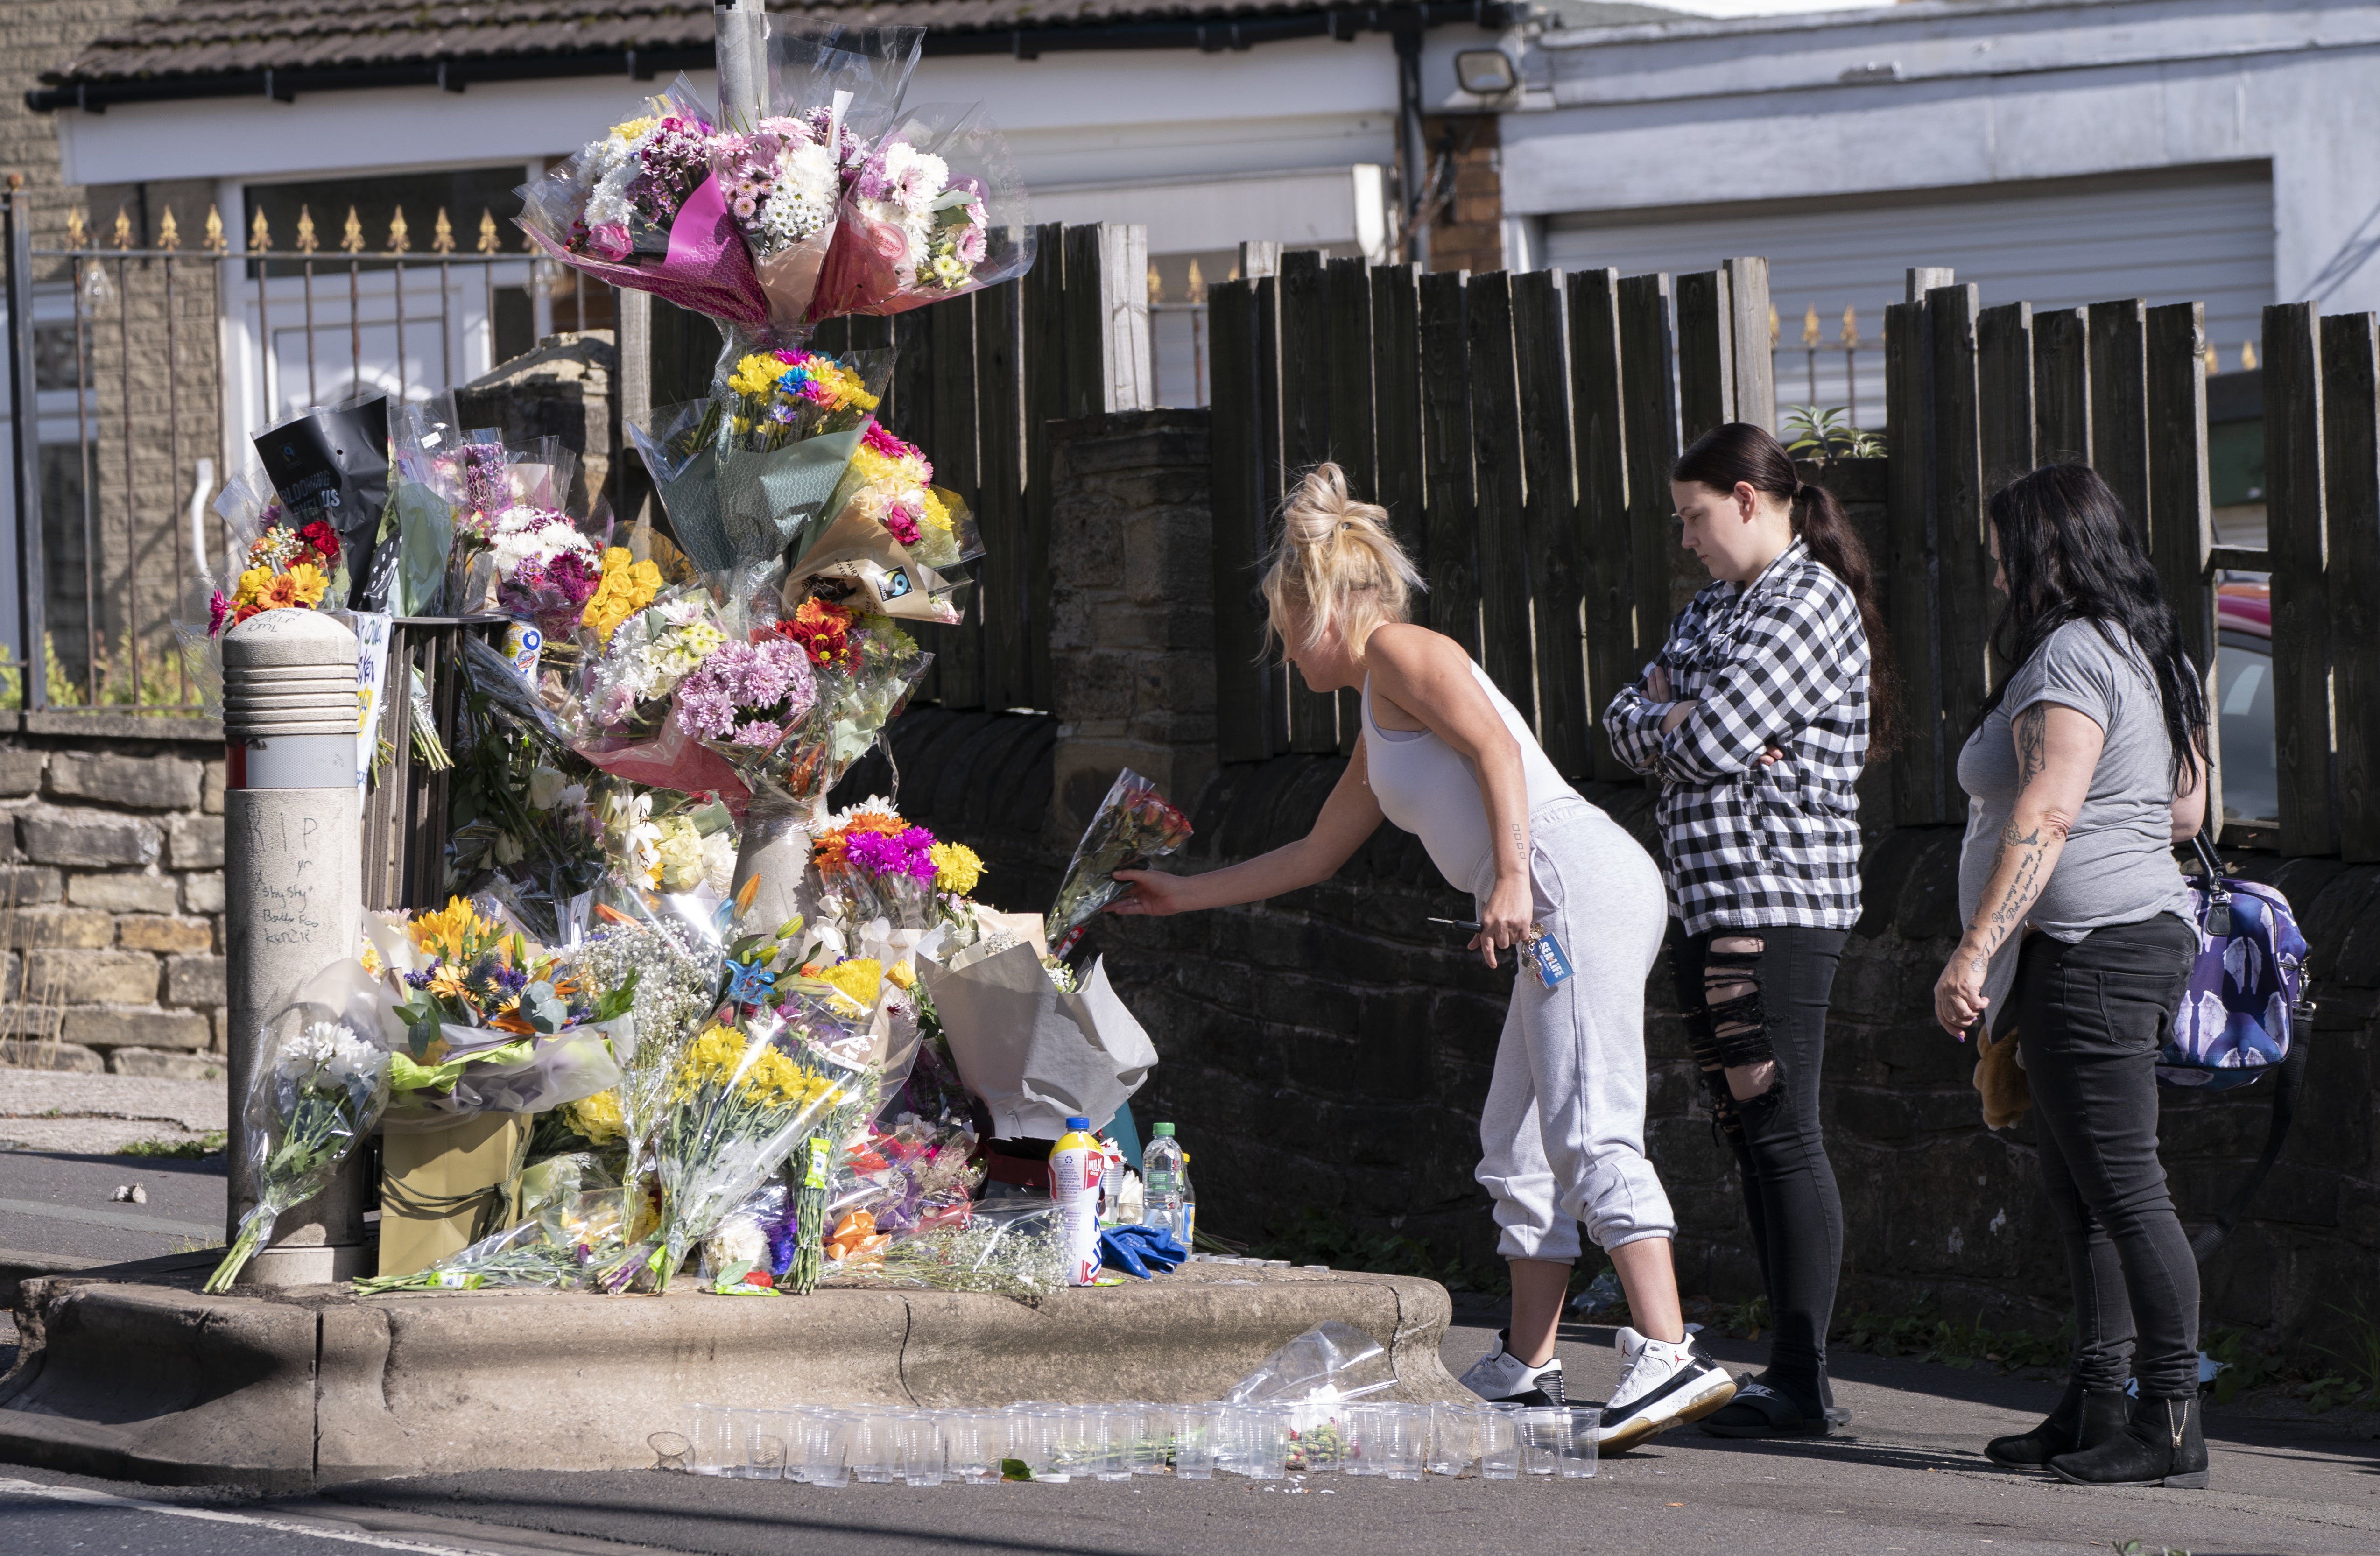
(1334,1360)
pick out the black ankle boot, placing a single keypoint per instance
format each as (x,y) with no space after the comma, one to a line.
(2163,1444)
(2084,1418)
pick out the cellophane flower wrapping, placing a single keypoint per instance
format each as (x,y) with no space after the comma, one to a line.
(934,211)
(560,1249)
(887,536)
(1133,825)
(1014,1247)
(742,1097)
(910,1178)
(747,469)
(320,1087)
(674,975)
(864,668)
(873,866)
(640,207)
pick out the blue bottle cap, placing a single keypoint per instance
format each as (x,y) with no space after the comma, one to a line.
(1076,1121)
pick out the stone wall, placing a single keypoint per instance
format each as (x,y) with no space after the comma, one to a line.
(1331,1048)
(111,905)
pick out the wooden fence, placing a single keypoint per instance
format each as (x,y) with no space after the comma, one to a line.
(1520,429)
(976,383)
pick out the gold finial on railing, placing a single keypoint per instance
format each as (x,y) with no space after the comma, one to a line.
(400,241)
(441,236)
(78,233)
(1810,327)
(1773,326)
(1233,276)
(2247,356)
(488,242)
(123,228)
(1156,284)
(351,237)
(260,237)
(1197,284)
(1850,328)
(214,231)
(2214,362)
(169,234)
(307,241)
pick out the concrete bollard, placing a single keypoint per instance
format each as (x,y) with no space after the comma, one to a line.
(293,891)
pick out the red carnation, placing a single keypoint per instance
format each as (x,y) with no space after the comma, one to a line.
(324,539)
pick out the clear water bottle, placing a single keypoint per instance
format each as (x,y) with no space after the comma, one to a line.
(1185,1225)
(1163,1180)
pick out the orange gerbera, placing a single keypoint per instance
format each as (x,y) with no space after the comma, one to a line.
(830,851)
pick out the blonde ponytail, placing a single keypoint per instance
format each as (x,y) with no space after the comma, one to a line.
(1337,561)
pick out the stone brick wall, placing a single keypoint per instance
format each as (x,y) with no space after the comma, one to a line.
(111,905)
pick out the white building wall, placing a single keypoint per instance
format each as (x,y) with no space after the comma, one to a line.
(1957,97)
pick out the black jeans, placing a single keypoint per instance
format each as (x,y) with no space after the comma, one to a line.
(1789,1187)
(2091,1016)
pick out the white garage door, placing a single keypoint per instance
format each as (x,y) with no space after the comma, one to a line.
(2206,236)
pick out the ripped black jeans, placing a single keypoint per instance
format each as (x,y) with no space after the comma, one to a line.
(1755,1003)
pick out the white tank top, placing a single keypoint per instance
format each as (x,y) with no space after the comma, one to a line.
(1431,790)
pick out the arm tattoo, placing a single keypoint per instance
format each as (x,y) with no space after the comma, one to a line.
(2032,730)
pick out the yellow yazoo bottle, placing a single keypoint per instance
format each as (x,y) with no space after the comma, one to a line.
(1075,1164)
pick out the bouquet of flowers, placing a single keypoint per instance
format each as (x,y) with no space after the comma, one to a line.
(913,1177)
(935,210)
(330,466)
(743,1094)
(747,699)
(674,977)
(671,844)
(639,637)
(887,535)
(546,571)
(873,865)
(320,1088)
(1013,1248)
(1134,824)
(746,470)
(285,566)
(491,1023)
(863,668)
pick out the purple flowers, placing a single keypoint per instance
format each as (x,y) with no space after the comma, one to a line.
(744,689)
(905,852)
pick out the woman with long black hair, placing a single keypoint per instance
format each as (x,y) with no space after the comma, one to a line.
(1758,716)
(2084,769)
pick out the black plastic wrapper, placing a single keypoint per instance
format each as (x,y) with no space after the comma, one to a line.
(333,465)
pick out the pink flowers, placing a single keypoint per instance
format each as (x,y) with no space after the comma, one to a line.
(744,688)
(908,853)
(903,525)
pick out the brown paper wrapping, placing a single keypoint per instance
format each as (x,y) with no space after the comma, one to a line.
(444,1189)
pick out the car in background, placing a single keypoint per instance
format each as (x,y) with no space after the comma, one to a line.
(2243,705)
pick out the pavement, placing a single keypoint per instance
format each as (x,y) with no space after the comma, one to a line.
(48,1110)
(1907,1475)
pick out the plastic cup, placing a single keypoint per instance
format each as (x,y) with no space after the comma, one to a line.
(712,1439)
(1197,1429)
(1398,1440)
(974,1442)
(1152,1442)
(1320,1439)
(1048,1442)
(1253,1441)
(1453,1438)
(1545,1437)
(875,1447)
(1499,1445)
(1575,1458)
(918,1448)
(819,1447)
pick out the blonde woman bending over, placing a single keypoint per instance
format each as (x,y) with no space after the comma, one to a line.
(1446,757)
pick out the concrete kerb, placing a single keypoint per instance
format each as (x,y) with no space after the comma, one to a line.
(305,1386)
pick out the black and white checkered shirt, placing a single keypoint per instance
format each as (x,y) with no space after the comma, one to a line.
(1783,662)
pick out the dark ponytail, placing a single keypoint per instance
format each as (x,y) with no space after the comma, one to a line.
(1740,453)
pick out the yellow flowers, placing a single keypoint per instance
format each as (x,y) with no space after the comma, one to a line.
(757,374)
(860,979)
(900,975)
(773,1080)
(958,867)
(631,128)
(938,513)
(599,1117)
(628,587)
(453,933)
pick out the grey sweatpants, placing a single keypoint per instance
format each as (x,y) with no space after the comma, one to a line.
(1562,1136)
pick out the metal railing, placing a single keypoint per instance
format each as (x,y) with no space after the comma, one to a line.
(139,371)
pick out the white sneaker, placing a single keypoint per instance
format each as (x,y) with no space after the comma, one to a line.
(1665,1384)
(1501,1377)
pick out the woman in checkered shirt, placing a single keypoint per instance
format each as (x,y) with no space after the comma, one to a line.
(1756,717)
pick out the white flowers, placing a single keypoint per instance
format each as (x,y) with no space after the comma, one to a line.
(803,201)
(545,785)
(330,1049)
(526,534)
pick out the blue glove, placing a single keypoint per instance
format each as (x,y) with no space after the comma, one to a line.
(1136,1249)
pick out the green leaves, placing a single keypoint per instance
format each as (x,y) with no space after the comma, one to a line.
(616,1001)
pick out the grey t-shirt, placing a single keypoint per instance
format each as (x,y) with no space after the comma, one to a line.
(2117,866)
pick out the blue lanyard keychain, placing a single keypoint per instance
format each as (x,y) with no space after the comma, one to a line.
(1544,955)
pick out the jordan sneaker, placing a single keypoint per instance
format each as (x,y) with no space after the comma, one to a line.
(1501,1377)
(1665,1384)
